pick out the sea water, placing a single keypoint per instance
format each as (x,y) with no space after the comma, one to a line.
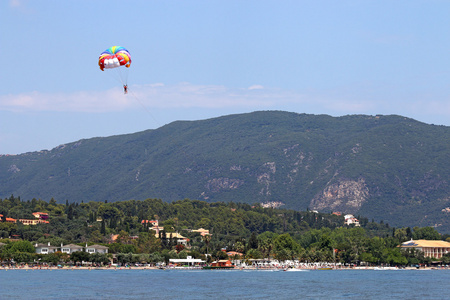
(224,284)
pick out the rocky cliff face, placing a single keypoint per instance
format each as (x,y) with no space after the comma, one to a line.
(345,196)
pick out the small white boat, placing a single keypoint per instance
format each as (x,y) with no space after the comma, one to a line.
(385,268)
(295,270)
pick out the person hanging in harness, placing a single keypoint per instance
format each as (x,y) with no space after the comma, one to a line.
(125,89)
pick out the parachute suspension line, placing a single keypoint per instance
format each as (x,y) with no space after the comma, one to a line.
(145,108)
(114,76)
(123,75)
(187,156)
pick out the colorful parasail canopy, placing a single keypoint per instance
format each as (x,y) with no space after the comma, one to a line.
(114,57)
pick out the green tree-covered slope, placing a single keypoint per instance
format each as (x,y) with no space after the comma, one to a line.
(384,167)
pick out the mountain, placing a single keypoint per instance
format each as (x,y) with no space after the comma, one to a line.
(388,168)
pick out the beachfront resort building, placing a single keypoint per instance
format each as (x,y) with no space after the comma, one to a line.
(96,249)
(223,263)
(434,249)
(188,261)
(71,248)
(45,248)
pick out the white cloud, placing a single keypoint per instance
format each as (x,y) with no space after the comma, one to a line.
(359,100)
(256,87)
(111,100)
(152,95)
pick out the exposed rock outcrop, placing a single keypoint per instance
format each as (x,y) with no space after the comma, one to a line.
(344,195)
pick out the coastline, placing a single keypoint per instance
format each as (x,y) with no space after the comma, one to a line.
(72,268)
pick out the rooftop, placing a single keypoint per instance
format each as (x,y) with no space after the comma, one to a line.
(425,243)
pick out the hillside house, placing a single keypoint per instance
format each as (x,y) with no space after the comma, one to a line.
(8,220)
(41,215)
(33,222)
(178,238)
(152,225)
(234,254)
(351,220)
(202,231)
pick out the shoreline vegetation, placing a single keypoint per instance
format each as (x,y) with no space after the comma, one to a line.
(191,232)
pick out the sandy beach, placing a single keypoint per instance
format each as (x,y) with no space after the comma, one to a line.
(114,268)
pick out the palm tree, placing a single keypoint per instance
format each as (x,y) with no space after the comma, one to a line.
(239,246)
(206,238)
(264,247)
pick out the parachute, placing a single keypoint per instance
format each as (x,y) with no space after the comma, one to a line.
(114,57)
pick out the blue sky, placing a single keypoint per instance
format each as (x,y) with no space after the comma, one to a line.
(202,59)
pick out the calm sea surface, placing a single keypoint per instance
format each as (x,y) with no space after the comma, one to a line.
(225,284)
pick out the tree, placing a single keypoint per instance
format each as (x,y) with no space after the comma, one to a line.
(123,237)
(207,239)
(79,256)
(99,258)
(52,258)
(401,234)
(285,241)
(283,254)
(147,243)
(375,246)
(12,250)
(239,246)
(426,233)
(103,228)
(394,257)
(445,259)
(253,254)
(220,255)
(70,212)
(108,211)
(253,241)
(25,257)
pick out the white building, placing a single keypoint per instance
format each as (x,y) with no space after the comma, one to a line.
(71,248)
(96,249)
(45,248)
(434,249)
(187,261)
(350,219)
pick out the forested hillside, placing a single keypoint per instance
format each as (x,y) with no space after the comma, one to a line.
(252,230)
(388,168)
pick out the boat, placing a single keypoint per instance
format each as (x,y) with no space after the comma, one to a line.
(295,270)
(385,268)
